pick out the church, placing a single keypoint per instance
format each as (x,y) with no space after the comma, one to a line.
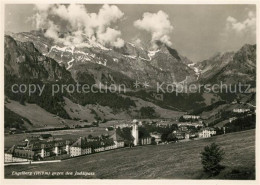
(139,139)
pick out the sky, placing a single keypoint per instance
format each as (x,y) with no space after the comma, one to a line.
(195,31)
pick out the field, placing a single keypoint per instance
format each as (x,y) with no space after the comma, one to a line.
(35,114)
(14,139)
(87,114)
(171,161)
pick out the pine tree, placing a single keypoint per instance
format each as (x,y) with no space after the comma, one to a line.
(210,159)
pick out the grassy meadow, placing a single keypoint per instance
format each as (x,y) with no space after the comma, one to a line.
(171,161)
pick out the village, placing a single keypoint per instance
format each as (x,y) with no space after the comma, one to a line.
(46,147)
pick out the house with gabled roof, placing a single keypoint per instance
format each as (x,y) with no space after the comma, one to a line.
(80,147)
(108,144)
(15,154)
(46,148)
(207,132)
(48,137)
(157,136)
(118,140)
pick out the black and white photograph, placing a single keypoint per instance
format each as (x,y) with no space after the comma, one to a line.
(129,91)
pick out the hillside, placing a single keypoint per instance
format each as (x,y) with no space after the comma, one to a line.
(24,64)
(230,67)
(87,114)
(172,161)
(35,115)
(31,58)
(103,64)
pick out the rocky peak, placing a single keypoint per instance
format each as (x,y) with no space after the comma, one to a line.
(23,60)
(10,42)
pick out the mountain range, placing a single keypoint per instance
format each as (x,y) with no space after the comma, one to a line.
(30,57)
(111,65)
(230,67)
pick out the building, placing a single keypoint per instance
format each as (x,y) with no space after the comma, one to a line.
(207,132)
(183,128)
(186,135)
(138,137)
(99,149)
(50,148)
(190,116)
(80,147)
(47,137)
(135,134)
(45,148)
(181,124)
(122,125)
(67,147)
(45,145)
(145,140)
(12,130)
(31,139)
(118,140)
(108,144)
(179,134)
(240,110)
(192,134)
(157,136)
(15,154)
(234,102)
(98,146)
(198,124)
(109,128)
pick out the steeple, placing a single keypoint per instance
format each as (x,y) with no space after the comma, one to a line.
(135,132)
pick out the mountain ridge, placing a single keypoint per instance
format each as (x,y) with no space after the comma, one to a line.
(39,60)
(230,67)
(134,62)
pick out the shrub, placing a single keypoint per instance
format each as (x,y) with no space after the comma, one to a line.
(147,112)
(210,159)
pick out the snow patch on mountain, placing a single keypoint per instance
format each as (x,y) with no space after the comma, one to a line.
(144,59)
(83,58)
(115,59)
(103,63)
(195,69)
(70,63)
(81,52)
(92,43)
(62,49)
(130,56)
(152,53)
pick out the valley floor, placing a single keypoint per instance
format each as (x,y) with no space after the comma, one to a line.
(171,161)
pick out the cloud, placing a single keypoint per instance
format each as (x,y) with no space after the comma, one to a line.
(157,24)
(76,15)
(40,18)
(248,25)
(107,15)
(52,31)
(111,36)
(137,41)
(81,23)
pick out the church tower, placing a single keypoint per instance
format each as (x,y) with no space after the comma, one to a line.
(135,133)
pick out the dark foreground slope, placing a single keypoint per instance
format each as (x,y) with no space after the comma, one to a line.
(172,161)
